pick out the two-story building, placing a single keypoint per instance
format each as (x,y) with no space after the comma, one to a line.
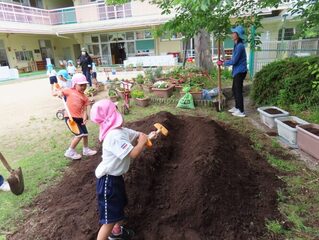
(33,30)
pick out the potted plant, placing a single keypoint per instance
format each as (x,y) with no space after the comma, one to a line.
(130,67)
(158,73)
(113,95)
(308,139)
(120,92)
(196,92)
(162,89)
(139,98)
(90,92)
(140,80)
(149,80)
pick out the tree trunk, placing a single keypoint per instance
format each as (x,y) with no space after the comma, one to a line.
(203,51)
(185,52)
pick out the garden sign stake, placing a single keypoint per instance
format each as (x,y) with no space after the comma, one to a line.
(15,180)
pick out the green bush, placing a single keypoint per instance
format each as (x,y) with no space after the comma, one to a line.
(140,79)
(286,82)
(137,94)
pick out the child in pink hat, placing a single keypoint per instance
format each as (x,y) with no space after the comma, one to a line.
(77,103)
(117,150)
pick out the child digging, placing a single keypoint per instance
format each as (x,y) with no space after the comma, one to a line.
(118,150)
(77,103)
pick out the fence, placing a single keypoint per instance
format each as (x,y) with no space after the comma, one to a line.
(275,50)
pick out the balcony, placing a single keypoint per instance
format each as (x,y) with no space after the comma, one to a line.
(79,14)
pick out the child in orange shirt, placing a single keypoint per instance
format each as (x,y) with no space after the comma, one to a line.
(77,103)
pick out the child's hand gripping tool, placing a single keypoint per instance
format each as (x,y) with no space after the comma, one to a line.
(160,129)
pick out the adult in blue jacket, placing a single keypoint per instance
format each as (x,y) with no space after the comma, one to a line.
(239,64)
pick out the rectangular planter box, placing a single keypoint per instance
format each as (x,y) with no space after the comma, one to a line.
(269,119)
(163,93)
(142,102)
(196,95)
(308,141)
(288,133)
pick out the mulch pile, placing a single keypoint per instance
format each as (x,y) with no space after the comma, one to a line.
(203,181)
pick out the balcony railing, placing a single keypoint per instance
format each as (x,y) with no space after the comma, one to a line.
(79,14)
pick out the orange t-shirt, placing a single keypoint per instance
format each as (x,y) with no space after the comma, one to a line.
(76,102)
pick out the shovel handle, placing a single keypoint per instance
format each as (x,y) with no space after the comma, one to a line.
(149,143)
(67,110)
(5,163)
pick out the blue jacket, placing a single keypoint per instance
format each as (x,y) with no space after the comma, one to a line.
(238,60)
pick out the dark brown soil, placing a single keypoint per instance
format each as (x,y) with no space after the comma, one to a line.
(273,111)
(313,130)
(203,181)
(290,123)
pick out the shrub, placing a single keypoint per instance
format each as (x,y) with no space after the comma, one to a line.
(149,75)
(137,94)
(160,84)
(140,79)
(286,82)
(158,72)
(112,93)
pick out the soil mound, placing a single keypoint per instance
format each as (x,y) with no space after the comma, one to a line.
(203,181)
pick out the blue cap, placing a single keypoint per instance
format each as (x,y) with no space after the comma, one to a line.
(50,67)
(240,31)
(70,61)
(64,74)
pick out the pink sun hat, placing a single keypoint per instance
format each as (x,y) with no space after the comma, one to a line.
(105,114)
(78,78)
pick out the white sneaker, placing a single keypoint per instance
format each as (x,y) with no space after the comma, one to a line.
(72,154)
(238,113)
(233,110)
(5,186)
(89,152)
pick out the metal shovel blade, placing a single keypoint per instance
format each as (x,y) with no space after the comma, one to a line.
(16,181)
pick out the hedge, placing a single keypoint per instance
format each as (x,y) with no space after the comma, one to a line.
(286,82)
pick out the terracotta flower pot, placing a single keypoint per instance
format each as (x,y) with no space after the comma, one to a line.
(142,102)
(163,92)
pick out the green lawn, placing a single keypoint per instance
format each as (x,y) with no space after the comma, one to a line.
(30,74)
(39,151)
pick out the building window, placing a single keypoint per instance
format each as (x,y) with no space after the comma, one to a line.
(288,34)
(24,55)
(167,37)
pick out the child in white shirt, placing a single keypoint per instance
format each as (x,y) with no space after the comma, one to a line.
(71,68)
(118,149)
(52,75)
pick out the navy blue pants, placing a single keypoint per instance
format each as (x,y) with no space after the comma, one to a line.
(237,88)
(87,74)
(1,180)
(112,198)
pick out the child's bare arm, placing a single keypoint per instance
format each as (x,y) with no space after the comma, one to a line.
(57,93)
(141,141)
(85,115)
